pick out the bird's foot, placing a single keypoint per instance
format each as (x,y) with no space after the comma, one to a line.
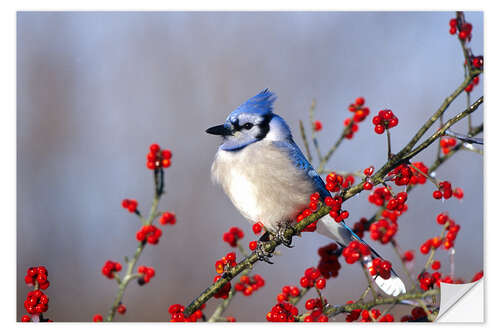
(281,236)
(262,253)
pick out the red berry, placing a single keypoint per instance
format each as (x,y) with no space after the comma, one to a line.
(320,283)
(379,129)
(25,319)
(359,101)
(318,125)
(154,148)
(436,265)
(257,228)
(166,154)
(367,186)
(121,309)
(437,194)
(252,245)
(97,318)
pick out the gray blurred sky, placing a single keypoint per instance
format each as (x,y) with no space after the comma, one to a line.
(96,89)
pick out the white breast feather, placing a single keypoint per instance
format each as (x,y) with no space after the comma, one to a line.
(262,183)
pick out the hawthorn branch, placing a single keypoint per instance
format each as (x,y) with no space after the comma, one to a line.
(337,309)
(129,276)
(441,131)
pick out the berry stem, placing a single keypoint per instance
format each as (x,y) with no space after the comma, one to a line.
(370,283)
(389,155)
(433,250)
(397,249)
(329,154)
(304,139)
(312,109)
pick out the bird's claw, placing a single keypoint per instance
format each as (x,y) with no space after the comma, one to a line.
(262,253)
(280,235)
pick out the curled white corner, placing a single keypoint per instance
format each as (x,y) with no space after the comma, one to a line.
(462,303)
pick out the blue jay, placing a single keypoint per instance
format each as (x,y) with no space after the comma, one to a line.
(268,179)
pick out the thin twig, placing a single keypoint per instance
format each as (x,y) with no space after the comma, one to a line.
(304,139)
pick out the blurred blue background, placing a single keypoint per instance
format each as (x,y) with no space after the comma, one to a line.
(96,89)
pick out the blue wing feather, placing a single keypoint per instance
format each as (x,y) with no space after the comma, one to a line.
(302,163)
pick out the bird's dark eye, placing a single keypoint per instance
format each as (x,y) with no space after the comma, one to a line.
(247,126)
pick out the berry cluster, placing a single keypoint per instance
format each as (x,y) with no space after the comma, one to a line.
(312,278)
(232,236)
(447,143)
(36,275)
(149,233)
(444,191)
(419,177)
(177,313)
(464,28)
(224,291)
(433,243)
(355,251)
(398,202)
(318,126)
(228,261)
(157,158)
(282,312)
(316,307)
(313,206)
(451,234)
(368,185)
(147,274)
(167,218)
(335,182)
(336,211)
(384,120)
(393,215)
(36,302)
(428,280)
(360,227)
(360,113)
(248,285)
(257,228)
(329,265)
(401,175)
(383,231)
(287,292)
(353,128)
(130,205)
(109,269)
(379,196)
(380,267)
(470,86)
(367,315)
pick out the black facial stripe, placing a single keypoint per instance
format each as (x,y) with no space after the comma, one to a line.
(264,127)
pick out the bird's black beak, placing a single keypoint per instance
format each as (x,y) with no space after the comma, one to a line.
(219,130)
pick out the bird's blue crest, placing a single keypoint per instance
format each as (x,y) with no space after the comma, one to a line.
(261,104)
